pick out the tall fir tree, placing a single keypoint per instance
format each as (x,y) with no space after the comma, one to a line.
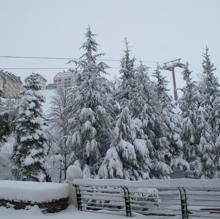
(127,72)
(209,118)
(189,104)
(169,138)
(209,83)
(128,156)
(29,150)
(161,88)
(93,104)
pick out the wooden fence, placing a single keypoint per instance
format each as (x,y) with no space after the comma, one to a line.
(155,201)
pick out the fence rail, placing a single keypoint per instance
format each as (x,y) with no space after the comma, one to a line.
(154,201)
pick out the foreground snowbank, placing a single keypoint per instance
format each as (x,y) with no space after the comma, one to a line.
(70,213)
(32,191)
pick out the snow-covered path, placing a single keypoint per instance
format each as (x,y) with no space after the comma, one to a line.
(70,213)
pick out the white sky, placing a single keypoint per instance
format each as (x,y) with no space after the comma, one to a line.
(158,31)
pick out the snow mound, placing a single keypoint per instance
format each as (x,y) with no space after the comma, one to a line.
(32,191)
(74,172)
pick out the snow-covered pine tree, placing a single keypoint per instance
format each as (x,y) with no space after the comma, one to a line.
(33,81)
(189,105)
(127,71)
(169,139)
(161,88)
(154,122)
(209,83)
(141,91)
(209,115)
(128,156)
(29,152)
(206,150)
(91,112)
(211,92)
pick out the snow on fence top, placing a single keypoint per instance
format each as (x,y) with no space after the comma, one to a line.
(32,191)
(153,183)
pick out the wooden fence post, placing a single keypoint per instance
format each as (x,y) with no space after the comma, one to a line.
(127,201)
(78,196)
(183,199)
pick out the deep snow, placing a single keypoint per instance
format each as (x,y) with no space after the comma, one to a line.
(69,213)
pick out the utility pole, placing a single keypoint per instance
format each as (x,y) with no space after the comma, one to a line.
(170,66)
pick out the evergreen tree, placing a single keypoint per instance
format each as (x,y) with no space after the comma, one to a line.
(209,118)
(210,89)
(127,72)
(209,83)
(128,156)
(206,150)
(189,105)
(161,88)
(29,153)
(141,117)
(149,112)
(169,142)
(33,82)
(92,103)
(141,100)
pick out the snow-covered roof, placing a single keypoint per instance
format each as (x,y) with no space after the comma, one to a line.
(10,76)
(44,79)
(64,74)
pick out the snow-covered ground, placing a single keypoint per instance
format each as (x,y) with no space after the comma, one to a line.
(69,213)
(41,192)
(153,183)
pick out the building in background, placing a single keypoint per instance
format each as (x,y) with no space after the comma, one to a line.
(10,85)
(41,80)
(51,86)
(65,79)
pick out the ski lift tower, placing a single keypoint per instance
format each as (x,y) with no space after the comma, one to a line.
(170,66)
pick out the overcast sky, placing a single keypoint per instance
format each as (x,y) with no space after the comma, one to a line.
(158,31)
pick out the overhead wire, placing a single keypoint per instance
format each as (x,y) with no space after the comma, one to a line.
(55,58)
(66,58)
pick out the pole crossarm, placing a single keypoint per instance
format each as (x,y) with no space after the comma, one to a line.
(170,66)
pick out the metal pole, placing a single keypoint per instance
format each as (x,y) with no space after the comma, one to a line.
(170,66)
(174,84)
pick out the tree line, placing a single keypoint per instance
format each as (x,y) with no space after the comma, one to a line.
(131,129)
